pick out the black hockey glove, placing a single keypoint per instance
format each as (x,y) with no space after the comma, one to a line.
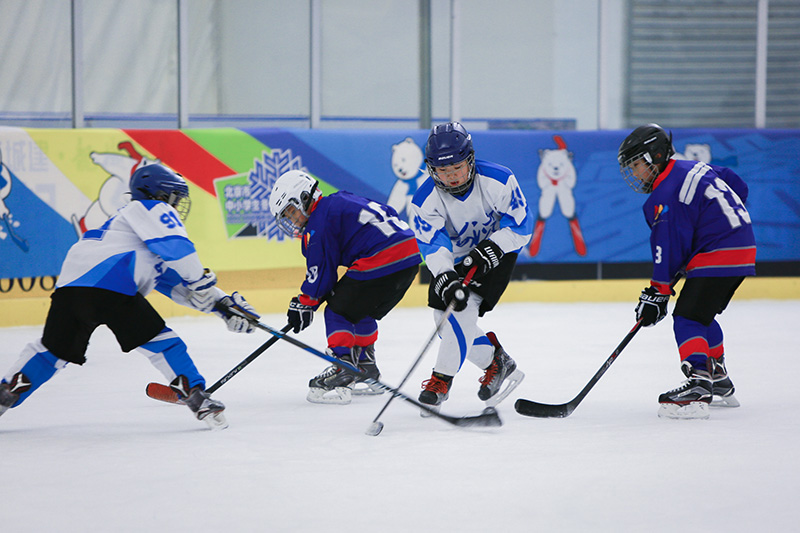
(652,307)
(299,315)
(485,256)
(449,288)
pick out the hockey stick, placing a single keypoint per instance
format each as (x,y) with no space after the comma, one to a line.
(159,391)
(543,410)
(376,427)
(488,418)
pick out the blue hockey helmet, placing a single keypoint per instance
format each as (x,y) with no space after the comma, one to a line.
(651,145)
(450,144)
(157,182)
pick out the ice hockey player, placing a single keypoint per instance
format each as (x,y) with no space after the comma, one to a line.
(104,280)
(700,229)
(469,213)
(382,260)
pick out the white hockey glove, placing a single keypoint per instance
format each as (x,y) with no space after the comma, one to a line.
(236,323)
(202,295)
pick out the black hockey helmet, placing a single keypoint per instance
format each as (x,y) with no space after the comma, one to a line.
(651,144)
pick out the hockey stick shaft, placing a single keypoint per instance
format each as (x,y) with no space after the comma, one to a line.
(542,410)
(445,317)
(487,418)
(159,391)
(249,359)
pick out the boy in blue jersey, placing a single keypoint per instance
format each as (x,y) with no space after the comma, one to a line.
(468,214)
(382,260)
(700,229)
(104,280)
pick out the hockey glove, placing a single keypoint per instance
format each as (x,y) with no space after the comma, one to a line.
(652,307)
(485,256)
(235,323)
(202,295)
(449,288)
(299,315)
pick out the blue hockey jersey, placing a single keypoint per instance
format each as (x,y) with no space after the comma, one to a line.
(362,235)
(699,224)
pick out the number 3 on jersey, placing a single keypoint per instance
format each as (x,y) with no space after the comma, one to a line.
(382,220)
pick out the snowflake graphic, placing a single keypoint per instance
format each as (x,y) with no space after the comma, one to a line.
(250,203)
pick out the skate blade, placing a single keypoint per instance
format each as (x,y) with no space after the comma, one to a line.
(512,382)
(725,401)
(337,396)
(216,421)
(691,411)
(366,390)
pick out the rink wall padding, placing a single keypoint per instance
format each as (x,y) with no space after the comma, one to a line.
(54,183)
(24,309)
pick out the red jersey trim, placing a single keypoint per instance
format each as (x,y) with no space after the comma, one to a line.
(730,257)
(393,254)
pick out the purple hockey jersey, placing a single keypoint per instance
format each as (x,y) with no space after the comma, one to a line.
(699,224)
(365,236)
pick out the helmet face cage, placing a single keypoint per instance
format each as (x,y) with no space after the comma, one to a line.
(450,144)
(652,147)
(297,189)
(157,182)
(645,183)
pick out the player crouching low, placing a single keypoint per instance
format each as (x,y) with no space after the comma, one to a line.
(104,280)
(382,260)
(700,228)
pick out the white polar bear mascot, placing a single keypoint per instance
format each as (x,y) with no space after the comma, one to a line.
(113,192)
(696,152)
(556,178)
(407,165)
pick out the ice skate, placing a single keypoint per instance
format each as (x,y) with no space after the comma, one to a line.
(368,366)
(691,399)
(200,403)
(9,392)
(434,392)
(502,369)
(333,385)
(723,386)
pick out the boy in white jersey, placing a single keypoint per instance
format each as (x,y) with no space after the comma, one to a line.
(104,280)
(468,214)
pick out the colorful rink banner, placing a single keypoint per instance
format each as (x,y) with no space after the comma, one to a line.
(57,183)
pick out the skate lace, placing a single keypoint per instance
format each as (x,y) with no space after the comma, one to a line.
(490,373)
(435,385)
(328,372)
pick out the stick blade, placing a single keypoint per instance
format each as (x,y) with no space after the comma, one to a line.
(488,418)
(163,393)
(542,410)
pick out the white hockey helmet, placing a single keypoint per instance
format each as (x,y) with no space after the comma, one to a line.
(297,189)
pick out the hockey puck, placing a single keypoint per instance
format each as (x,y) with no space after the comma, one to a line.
(374,429)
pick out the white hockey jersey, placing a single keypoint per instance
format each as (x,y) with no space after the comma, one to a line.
(144,246)
(448,227)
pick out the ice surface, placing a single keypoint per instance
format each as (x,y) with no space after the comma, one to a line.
(90,452)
